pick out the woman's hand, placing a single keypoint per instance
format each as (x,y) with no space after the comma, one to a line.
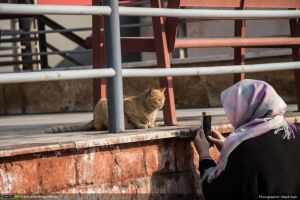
(217,139)
(201,144)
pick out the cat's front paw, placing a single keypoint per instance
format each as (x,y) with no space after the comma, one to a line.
(142,126)
(152,125)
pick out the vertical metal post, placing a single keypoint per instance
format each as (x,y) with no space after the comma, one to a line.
(27,24)
(171,25)
(17,45)
(43,44)
(295,32)
(99,84)
(113,60)
(239,52)
(163,60)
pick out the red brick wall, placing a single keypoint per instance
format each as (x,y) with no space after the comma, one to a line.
(148,169)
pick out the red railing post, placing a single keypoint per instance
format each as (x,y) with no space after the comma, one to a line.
(163,60)
(239,52)
(99,84)
(295,32)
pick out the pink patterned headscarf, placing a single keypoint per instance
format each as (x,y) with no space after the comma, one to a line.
(253,107)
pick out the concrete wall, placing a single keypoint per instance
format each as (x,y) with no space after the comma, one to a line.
(225,28)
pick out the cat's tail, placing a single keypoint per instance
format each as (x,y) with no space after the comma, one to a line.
(71,128)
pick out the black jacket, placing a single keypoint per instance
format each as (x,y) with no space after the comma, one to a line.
(264,167)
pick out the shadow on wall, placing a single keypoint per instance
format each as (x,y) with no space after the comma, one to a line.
(177,176)
(80,59)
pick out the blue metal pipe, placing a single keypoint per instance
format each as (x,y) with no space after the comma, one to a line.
(113,60)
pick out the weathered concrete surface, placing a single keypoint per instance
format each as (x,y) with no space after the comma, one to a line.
(190,92)
(144,170)
(25,134)
(43,97)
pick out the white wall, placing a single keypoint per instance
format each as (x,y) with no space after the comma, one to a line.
(225,28)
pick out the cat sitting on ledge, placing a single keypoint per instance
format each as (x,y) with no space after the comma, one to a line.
(140,113)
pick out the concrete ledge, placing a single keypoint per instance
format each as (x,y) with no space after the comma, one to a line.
(79,140)
(32,139)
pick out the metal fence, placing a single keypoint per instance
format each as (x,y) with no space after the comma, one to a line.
(114,71)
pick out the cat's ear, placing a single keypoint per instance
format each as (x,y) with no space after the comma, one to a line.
(148,92)
(163,90)
(152,92)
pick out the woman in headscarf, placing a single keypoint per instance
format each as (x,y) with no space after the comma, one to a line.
(261,157)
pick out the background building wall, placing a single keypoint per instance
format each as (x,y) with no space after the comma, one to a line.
(190,91)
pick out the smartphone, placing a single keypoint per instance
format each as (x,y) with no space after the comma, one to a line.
(206,123)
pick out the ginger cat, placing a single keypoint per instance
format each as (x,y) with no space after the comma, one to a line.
(140,113)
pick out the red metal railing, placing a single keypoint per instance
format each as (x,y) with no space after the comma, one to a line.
(164,41)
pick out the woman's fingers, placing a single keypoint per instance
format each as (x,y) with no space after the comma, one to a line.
(217,135)
(201,144)
(202,135)
(214,140)
(217,142)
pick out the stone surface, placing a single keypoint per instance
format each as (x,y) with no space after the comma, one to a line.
(128,164)
(95,167)
(152,158)
(184,156)
(172,183)
(20,177)
(56,173)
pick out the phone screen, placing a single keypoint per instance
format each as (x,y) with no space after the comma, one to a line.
(206,123)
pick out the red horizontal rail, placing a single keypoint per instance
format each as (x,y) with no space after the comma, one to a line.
(138,44)
(238,3)
(132,44)
(77,2)
(146,44)
(237,42)
(211,3)
(65,2)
